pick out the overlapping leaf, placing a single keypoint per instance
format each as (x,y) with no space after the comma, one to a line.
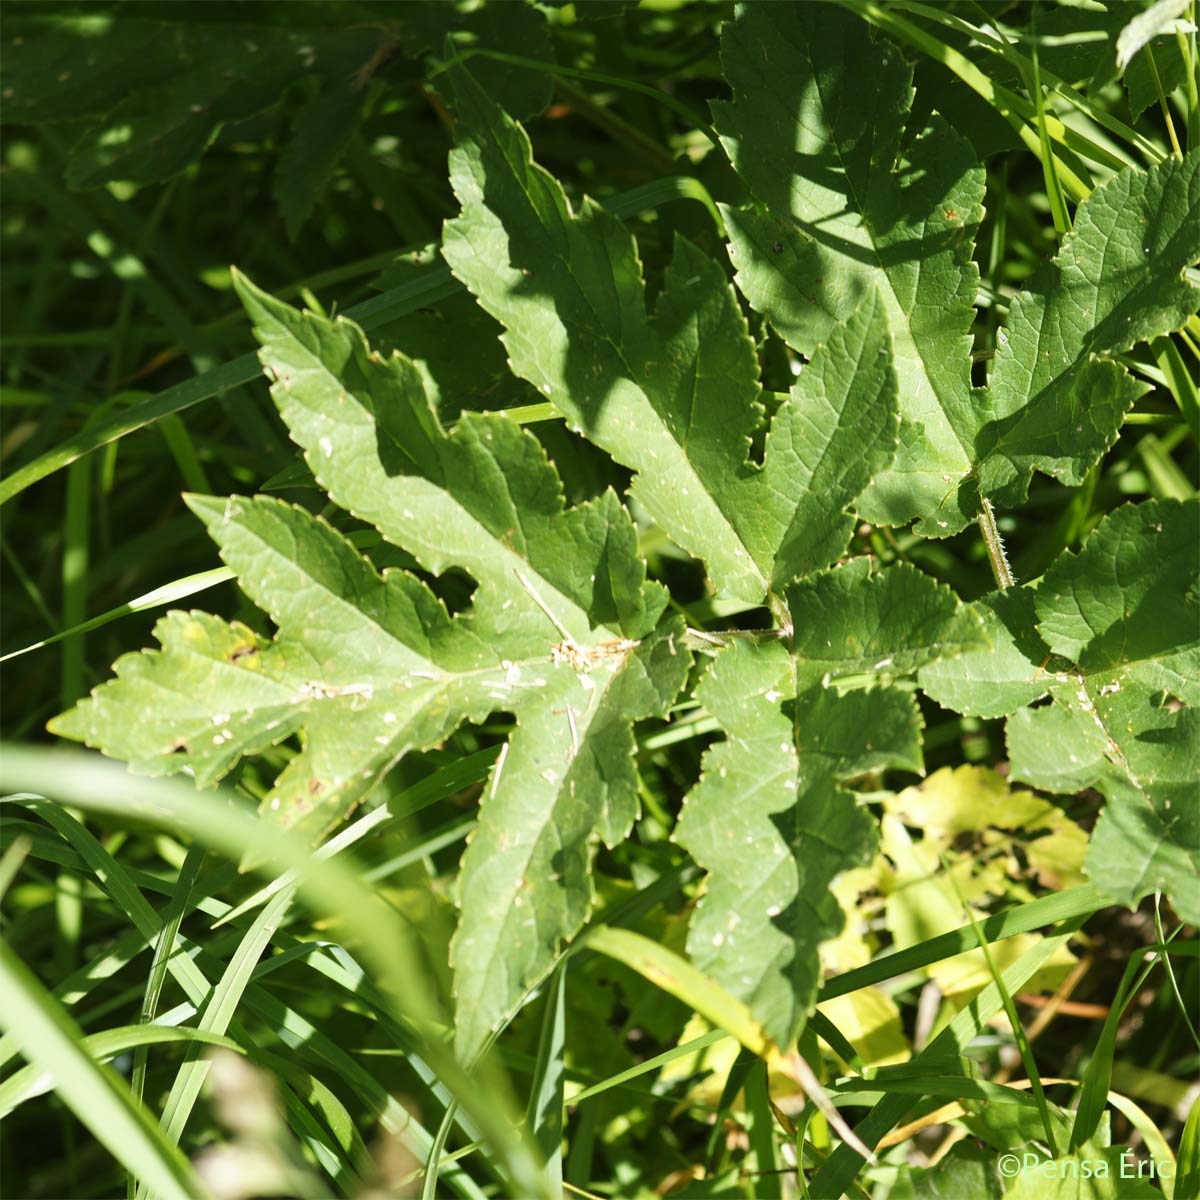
(1125,612)
(1081,45)
(843,205)
(856,620)
(671,394)
(564,632)
(1113,636)
(857,247)
(842,212)
(769,819)
(1055,402)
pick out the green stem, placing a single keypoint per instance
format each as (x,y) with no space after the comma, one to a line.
(995,546)
(1187,48)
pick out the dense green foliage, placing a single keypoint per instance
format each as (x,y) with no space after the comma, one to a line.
(723,598)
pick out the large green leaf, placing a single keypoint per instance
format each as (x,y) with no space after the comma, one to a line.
(842,210)
(1093,1172)
(835,430)
(565,779)
(967,1170)
(1123,615)
(847,199)
(673,393)
(564,633)
(1055,400)
(481,496)
(369,667)
(769,819)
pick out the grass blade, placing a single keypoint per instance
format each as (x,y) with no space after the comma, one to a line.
(50,1040)
(219,1011)
(1037,914)
(651,1064)
(1093,1092)
(1187,1172)
(460,774)
(838,1173)
(545,1111)
(163,949)
(328,886)
(31,1081)
(1181,381)
(665,969)
(1010,1011)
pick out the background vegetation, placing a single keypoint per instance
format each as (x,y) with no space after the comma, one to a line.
(147,147)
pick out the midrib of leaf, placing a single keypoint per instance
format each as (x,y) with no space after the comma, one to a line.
(284,703)
(1115,754)
(774,779)
(511,962)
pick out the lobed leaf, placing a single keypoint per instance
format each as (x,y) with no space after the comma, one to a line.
(843,209)
(564,633)
(369,667)
(1056,400)
(847,199)
(565,779)
(1112,636)
(770,820)
(1125,614)
(836,429)
(671,394)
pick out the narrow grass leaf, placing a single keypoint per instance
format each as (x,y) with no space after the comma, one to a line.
(31,1081)
(545,1110)
(101,787)
(51,1042)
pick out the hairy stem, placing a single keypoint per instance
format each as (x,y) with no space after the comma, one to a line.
(995,546)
